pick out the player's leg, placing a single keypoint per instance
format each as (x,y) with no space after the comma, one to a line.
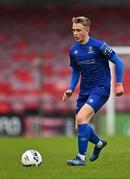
(85,114)
(96,101)
(85,131)
(93,104)
(80,103)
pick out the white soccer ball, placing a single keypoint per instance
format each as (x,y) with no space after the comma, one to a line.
(31,157)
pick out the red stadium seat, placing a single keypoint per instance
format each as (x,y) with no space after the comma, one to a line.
(5,107)
(24,75)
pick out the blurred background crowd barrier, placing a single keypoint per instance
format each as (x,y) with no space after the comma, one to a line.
(34,64)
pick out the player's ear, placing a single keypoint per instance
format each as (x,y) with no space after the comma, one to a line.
(87,28)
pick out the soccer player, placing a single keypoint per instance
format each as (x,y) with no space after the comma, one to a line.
(89,58)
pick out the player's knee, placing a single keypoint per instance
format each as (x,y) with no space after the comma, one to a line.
(81,119)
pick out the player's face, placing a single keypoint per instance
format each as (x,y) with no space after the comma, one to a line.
(80,32)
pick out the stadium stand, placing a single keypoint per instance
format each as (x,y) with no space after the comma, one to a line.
(34,60)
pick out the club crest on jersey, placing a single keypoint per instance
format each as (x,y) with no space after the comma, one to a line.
(76,52)
(90,49)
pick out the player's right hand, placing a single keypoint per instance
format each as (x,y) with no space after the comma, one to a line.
(67,94)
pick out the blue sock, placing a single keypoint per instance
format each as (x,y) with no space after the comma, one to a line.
(83,138)
(93,137)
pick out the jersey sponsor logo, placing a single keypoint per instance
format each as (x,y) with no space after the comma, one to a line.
(90,49)
(106,50)
(91,61)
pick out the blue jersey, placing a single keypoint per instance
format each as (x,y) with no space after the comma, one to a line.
(91,59)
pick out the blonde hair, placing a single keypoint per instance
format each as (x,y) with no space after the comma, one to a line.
(82,20)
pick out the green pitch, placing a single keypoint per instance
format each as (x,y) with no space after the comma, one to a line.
(114,161)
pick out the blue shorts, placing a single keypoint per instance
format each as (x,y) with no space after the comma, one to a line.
(96,101)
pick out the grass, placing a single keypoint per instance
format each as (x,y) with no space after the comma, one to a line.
(113,163)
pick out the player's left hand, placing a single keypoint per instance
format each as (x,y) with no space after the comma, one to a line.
(119,91)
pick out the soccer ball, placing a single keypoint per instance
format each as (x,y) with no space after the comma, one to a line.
(31,157)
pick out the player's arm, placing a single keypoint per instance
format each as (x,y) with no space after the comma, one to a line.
(119,74)
(73,82)
(109,54)
(74,79)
